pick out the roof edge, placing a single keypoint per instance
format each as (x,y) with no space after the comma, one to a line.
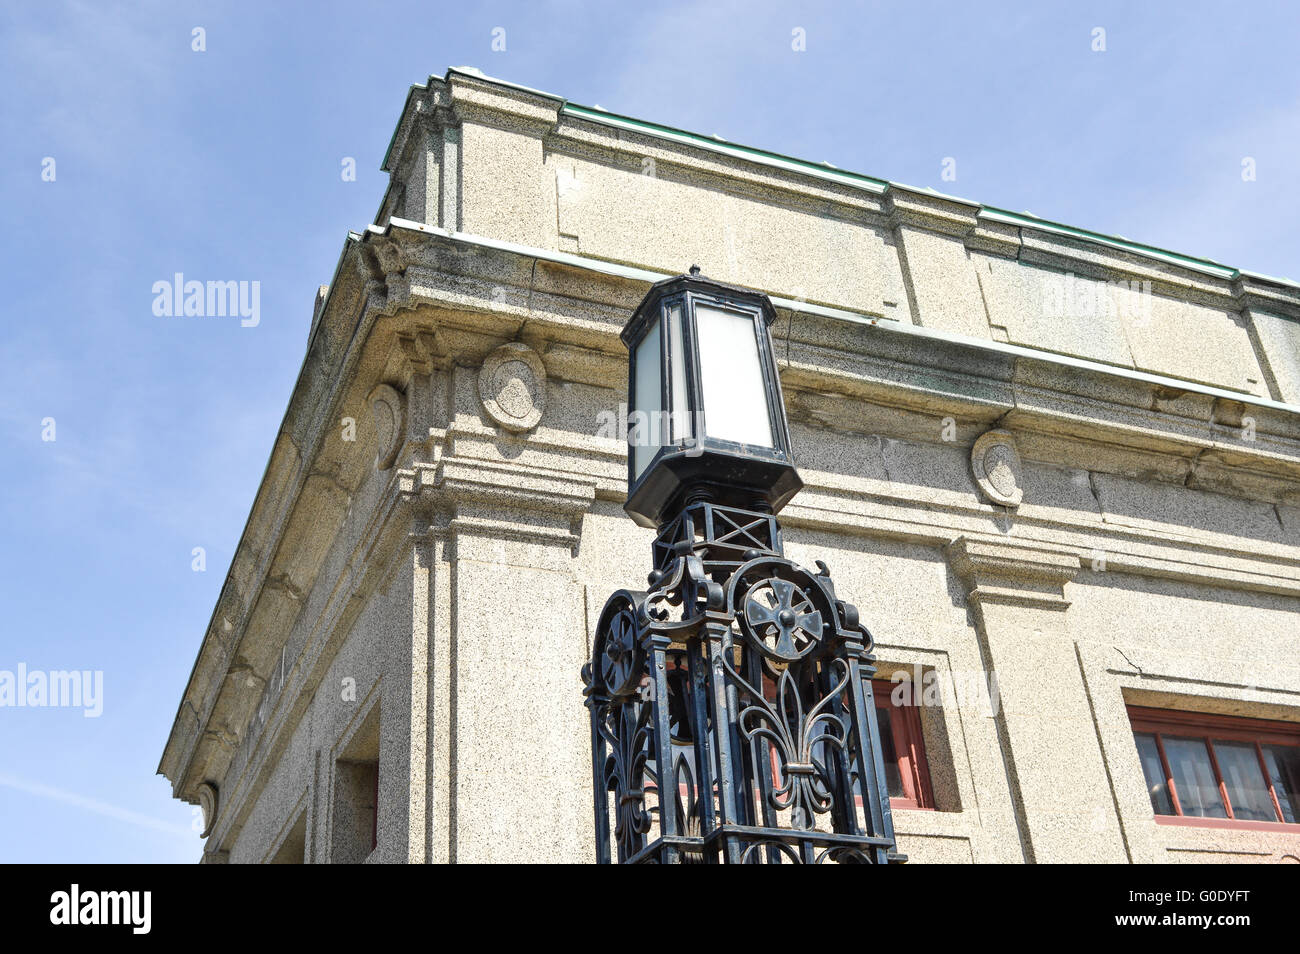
(827,172)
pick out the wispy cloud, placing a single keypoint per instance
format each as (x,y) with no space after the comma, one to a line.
(93,805)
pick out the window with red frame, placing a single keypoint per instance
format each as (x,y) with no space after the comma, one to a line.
(1219,771)
(902,749)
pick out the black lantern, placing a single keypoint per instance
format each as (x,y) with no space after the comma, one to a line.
(732,716)
(706,420)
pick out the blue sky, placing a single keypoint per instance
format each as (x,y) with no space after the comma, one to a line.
(225,164)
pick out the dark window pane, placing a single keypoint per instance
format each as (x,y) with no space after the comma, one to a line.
(1198,791)
(1157,786)
(1247,791)
(1283,763)
(888,755)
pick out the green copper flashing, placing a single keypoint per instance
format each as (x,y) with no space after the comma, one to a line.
(820,170)
(1206,265)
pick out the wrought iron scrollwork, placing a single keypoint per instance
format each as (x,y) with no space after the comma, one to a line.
(731,708)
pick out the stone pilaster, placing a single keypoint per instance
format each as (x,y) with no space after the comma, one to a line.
(510,766)
(1016,593)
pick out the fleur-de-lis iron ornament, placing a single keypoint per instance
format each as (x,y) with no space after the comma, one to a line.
(732,717)
(802,746)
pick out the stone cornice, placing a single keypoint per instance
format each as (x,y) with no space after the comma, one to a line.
(499,288)
(899,512)
(580,137)
(1258,293)
(288,476)
(476,99)
(423,103)
(500,103)
(457,484)
(932,211)
(1077,255)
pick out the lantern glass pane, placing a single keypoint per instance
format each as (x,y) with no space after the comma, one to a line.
(734,398)
(681,420)
(643,427)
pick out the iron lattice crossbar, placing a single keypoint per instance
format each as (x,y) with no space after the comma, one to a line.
(732,718)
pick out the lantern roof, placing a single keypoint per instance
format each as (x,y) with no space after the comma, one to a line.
(693,282)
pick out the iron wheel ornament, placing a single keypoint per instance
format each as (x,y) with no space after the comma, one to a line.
(781,619)
(620,662)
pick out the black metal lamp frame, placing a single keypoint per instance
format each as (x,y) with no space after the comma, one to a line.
(695,463)
(732,717)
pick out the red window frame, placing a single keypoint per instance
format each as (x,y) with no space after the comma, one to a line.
(909,747)
(1208,727)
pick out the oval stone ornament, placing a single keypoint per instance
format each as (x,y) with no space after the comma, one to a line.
(389,410)
(995,463)
(512,387)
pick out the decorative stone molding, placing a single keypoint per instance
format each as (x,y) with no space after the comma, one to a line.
(456,481)
(389,409)
(995,462)
(995,238)
(208,800)
(512,387)
(476,99)
(502,499)
(1015,573)
(420,349)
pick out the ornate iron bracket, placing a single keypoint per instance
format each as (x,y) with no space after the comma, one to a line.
(732,717)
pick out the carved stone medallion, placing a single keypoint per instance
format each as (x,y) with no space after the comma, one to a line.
(389,409)
(208,805)
(512,387)
(995,462)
